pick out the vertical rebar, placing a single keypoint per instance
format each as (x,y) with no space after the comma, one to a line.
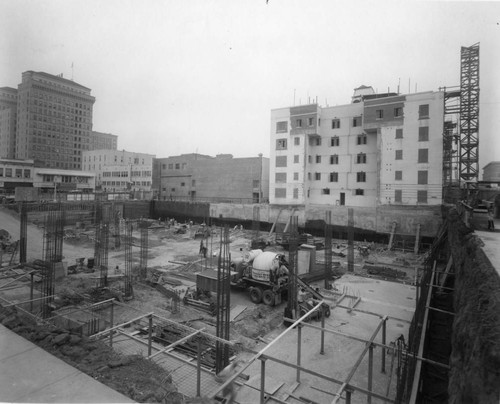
(223,301)
(328,250)
(292,310)
(384,326)
(198,370)
(23,232)
(256,222)
(350,240)
(129,292)
(143,270)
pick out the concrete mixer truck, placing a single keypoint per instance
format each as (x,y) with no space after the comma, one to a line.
(264,274)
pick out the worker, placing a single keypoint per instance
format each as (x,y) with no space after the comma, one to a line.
(203,249)
(302,295)
(223,376)
(491,222)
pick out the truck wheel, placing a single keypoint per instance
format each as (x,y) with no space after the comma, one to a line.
(268,297)
(256,295)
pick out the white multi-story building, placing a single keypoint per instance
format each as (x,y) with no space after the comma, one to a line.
(381,149)
(119,171)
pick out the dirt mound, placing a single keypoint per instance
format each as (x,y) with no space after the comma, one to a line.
(131,375)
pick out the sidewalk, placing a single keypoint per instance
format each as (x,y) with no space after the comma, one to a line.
(30,374)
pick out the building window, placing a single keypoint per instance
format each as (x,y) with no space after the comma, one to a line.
(423,111)
(334,159)
(423,134)
(398,195)
(423,155)
(317,176)
(193,183)
(171,166)
(325,191)
(295,193)
(356,121)
(361,139)
(317,141)
(318,159)
(280,161)
(361,158)
(296,159)
(280,192)
(19,173)
(177,166)
(183,184)
(422,196)
(27,173)
(295,176)
(336,124)
(309,159)
(399,155)
(399,133)
(281,127)
(334,177)
(361,176)
(281,144)
(8,173)
(280,177)
(359,191)
(296,141)
(298,123)
(423,177)
(379,114)
(398,112)
(398,175)
(309,176)
(334,141)
(310,121)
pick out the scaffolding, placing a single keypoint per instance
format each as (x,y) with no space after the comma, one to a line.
(469,114)
(223,301)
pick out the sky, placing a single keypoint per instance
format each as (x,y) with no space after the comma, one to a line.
(179,76)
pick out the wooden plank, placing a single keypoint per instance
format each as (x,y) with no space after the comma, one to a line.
(236,311)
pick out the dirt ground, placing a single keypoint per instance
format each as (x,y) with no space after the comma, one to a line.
(173,252)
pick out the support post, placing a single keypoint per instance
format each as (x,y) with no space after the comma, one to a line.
(23,234)
(299,349)
(370,372)
(150,334)
(384,336)
(111,319)
(262,380)
(31,293)
(198,370)
(348,394)
(322,350)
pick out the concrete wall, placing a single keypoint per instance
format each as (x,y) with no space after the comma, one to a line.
(475,357)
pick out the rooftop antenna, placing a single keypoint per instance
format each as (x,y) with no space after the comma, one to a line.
(72,71)
(409,85)
(399,82)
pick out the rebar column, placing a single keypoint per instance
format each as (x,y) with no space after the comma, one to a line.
(129,292)
(103,254)
(143,265)
(116,228)
(292,309)
(223,301)
(350,240)
(23,233)
(328,250)
(256,222)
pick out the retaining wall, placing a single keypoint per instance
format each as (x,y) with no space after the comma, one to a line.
(475,357)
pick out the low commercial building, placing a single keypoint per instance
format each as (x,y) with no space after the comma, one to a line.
(120,171)
(491,172)
(221,178)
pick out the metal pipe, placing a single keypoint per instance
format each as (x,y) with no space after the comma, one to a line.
(370,373)
(198,370)
(262,380)
(322,349)
(384,332)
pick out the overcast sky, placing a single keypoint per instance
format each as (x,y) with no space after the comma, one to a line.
(183,76)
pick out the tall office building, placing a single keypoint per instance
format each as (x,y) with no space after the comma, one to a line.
(54,120)
(103,141)
(381,149)
(8,113)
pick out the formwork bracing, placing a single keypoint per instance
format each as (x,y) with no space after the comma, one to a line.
(128,261)
(469,113)
(223,301)
(143,264)
(328,250)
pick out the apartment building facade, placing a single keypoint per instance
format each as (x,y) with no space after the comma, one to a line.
(54,120)
(221,178)
(119,171)
(382,149)
(8,118)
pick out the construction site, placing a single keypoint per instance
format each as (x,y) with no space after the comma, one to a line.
(175,302)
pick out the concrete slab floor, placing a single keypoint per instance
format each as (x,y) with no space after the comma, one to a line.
(30,374)
(378,296)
